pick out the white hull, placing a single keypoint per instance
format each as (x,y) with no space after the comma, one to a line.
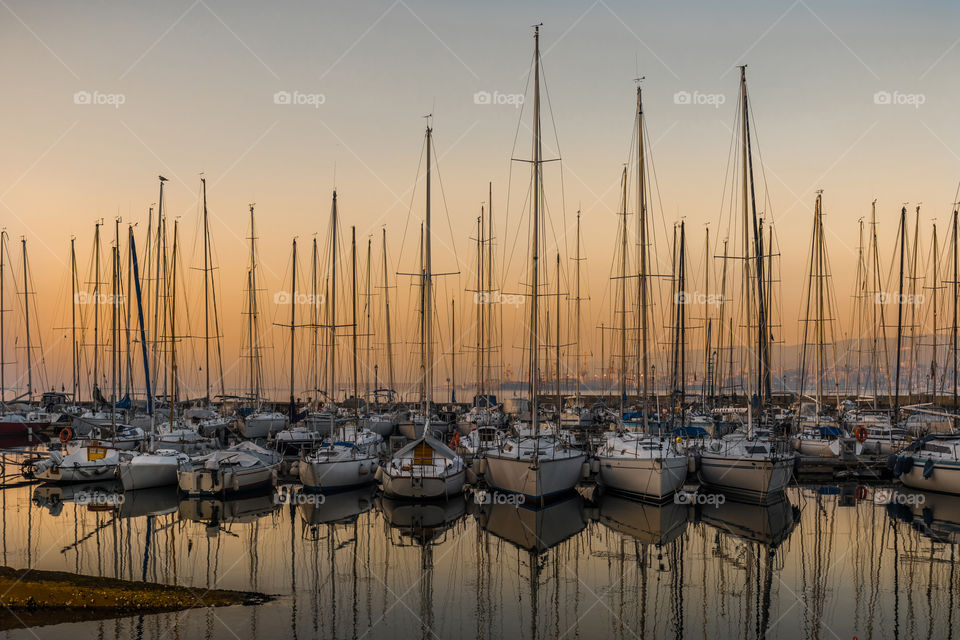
(415,486)
(261,426)
(147,471)
(211,482)
(753,477)
(337,475)
(945,476)
(652,478)
(549,477)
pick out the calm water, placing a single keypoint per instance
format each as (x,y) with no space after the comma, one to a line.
(824,563)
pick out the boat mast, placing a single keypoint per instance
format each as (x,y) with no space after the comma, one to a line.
(367,332)
(453,351)
(252,316)
(896,384)
(386,312)
(577,303)
(956,293)
(353,274)
(314,323)
(912,302)
(707,326)
(484,301)
(558,340)
(173,324)
(763,355)
(642,275)
(428,286)
(933,360)
(293,329)
(623,292)
(535,248)
(206,295)
(114,259)
(3,360)
(26,313)
(333,301)
(73,317)
(96,311)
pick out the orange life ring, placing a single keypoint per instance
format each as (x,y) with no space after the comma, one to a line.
(455,441)
(66,434)
(861,434)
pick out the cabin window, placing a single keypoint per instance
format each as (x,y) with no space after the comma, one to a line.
(423,454)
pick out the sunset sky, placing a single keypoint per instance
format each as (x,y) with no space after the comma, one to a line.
(859,99)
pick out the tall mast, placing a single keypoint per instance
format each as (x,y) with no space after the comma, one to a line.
(577,303)
(367,332)
(386,312)
(333,299)
(26,313)
(896,383)
(206,294)
(3,311)
(706,317)
(492,311)
(484,301)
(642,275)
(912,302)
(114,259)
(750,214)
(293,329)
(453,351)
(428,286)
(623,292)
(933,360)
(353,275)
(557,369)
(860,293)
(252,318)
(314,323)
(956,293)
(96,309)
(535,244)
(73,317)
(173,323)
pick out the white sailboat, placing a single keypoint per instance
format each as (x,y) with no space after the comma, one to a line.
(347,459)
(538,466)
(425,468)
(641,464)
(742,463)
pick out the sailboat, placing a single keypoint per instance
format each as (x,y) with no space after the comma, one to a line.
(383,419)
(425,468)
(641,463)
(539,465)
(258,423)
(348,457)
(742,463)
(819,434)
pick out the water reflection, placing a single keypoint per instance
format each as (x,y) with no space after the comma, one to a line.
(824,562)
